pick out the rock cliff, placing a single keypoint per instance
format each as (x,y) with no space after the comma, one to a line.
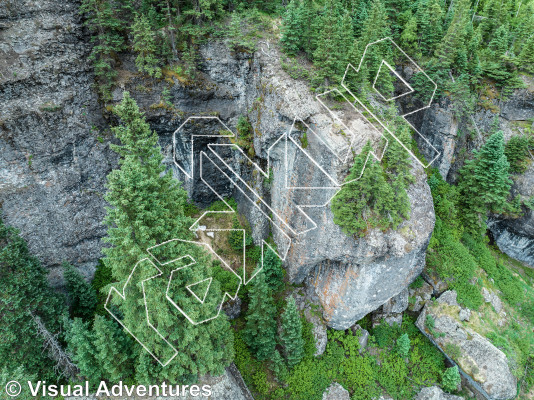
(52,165)
(55,156)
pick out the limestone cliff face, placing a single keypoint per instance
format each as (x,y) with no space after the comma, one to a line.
(351,277)
(52,167)
(448,135)
(54,156)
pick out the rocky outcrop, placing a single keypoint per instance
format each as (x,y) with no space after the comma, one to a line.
(351,277)
(435,393)
(355,277)
(484,365)
(419,296)
(336,392)
(515,237)
(308,303)
(54,156)
(53,151)
(391,311)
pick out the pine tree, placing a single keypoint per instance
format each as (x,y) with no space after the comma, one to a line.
(345,39)
(366,200)
(115,350)
(260,329)
(272,267)
(308,18)
(147,208)
(409,38)
(454,39)
(144,45)
(80,340)
(107,28)
(451,379)
(292,28)
(10,373)
(526,57)
(82,296)
(25,290)
(375,27)
(430,20)
(278,366)
(326,55)
(291,334)
(485,184)
(403,345)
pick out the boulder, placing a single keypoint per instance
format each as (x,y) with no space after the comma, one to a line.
(308,303)
(419,296)
(435,393)
(491,297)
(336,392)
(479,360)
(391,311)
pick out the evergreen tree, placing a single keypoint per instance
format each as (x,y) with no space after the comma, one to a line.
(291,334)
(526,57)
(308,19)
(106,28)
(278,366)
(409,38)
(451,379)
(429,19)
(375,27)
(144,45)
(147,208)
(403,345)
(10,373)
(115,350)
(485,183)
(80,340)
(366,200)
(260,329)
(272,267)
(326,55)
(82,296)
(25,290)
(292,28)
(454,39)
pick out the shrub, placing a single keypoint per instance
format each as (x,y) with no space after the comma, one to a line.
(451,379)
(403,345)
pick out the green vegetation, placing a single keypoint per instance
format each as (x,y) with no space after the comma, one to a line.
(291,335)
(374,194)
(25,294)
(147,209)
(451,379)
(366,374)
(260,330)
(82,296)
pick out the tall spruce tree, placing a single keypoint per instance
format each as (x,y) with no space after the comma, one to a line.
(107,28)
(485,183)
(80,340)
(115,350)
(272,267)
(144,45)
(260,329)
(292,28)
(147,209)
(25,291)
(454,40)
(291,334)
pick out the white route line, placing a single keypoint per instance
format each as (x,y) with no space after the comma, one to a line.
(276,220)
